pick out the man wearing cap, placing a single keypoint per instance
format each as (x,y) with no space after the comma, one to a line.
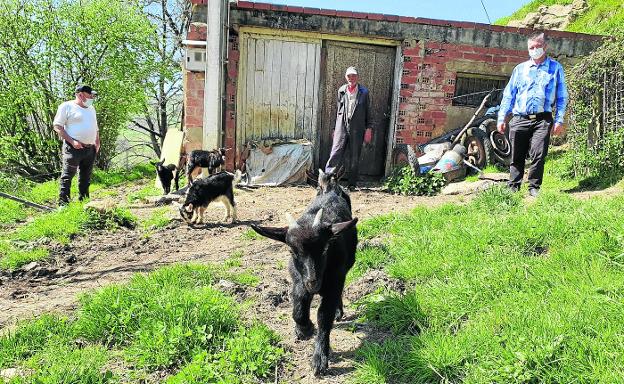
(75,122)
(535,87)
(352,126)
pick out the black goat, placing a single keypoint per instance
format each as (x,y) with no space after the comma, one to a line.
(323,243)
(213,160)
(166,173)
(217,187)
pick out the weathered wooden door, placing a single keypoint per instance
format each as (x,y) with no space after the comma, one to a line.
(375,65)
(278,87)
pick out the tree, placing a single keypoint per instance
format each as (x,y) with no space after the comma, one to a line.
(163,107)
(49,46)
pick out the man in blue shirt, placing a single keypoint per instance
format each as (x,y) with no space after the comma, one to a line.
(535,88)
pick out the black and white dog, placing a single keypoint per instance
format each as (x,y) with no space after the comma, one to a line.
(217,187)
(197,159)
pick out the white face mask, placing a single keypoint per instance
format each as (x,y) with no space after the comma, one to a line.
(88,102)
(536,53)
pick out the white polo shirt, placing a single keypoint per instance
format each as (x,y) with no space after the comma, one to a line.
(80,123)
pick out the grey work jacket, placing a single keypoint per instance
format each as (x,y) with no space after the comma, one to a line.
(360,119)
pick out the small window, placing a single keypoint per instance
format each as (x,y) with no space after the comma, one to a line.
(471,85)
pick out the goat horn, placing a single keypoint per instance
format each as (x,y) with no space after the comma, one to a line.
(317,218)
(291,220)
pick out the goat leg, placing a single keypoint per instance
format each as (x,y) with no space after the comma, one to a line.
(304,329)
(325,316)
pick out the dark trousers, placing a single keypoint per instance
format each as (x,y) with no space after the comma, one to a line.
(347,144)
(532,137)
(74,160)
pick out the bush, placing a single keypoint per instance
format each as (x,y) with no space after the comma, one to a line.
(596,137)
(405,182)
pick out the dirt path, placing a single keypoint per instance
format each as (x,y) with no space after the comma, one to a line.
(103,258)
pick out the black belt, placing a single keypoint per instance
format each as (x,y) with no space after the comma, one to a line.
(83,145)
(537,116)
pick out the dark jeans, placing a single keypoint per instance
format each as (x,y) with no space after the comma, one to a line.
(346,144)
(74,159)
(532,137)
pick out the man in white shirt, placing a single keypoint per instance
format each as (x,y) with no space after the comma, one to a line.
(75,122)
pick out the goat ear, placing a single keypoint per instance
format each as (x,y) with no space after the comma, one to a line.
(275,233)
(338,228)
(189,208)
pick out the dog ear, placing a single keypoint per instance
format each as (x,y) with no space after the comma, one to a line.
(275,233)
(338,228)
(189,208)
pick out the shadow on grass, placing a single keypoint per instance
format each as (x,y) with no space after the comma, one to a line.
(596,183)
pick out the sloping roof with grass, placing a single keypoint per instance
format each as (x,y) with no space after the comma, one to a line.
(601,16)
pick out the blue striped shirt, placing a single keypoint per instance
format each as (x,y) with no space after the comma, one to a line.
(534,89)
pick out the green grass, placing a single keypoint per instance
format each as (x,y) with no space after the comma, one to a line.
(602,17)
(250,234)
(234,260)
(58,226)
(159,218)
(143,193)
(17,249)
(47,193)
(171,321)
(504,290)
(12,211)
(489,169)
(248,355)
(12,257)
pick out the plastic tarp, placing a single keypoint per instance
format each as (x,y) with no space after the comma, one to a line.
(280,164)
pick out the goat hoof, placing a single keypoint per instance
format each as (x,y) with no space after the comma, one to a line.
(304,333)
(319,364)
(339,314)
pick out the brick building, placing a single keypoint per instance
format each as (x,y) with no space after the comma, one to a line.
(285,63)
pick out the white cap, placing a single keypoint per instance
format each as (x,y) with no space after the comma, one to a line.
(351,71)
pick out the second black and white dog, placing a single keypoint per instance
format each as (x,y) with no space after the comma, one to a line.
(218,187)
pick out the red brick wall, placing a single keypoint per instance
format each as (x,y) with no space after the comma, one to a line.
(428,83)
(193,110)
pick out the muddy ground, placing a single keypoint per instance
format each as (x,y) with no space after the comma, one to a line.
(102,258)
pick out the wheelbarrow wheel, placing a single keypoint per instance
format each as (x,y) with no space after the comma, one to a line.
(478,148)
(501,147)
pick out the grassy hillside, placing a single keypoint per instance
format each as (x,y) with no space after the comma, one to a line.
(602,16)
